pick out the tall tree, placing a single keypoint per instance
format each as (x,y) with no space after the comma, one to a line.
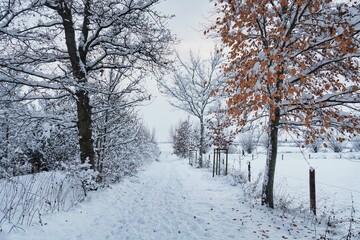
(294,65)
(58,48)
(192,86)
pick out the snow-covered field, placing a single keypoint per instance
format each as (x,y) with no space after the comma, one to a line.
(169,199)
(337,177)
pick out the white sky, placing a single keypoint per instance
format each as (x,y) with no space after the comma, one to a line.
(188,25)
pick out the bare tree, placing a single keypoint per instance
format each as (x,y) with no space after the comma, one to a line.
(192,88)
(248,142)
(60,48)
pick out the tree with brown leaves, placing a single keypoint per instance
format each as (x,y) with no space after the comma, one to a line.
(294,65)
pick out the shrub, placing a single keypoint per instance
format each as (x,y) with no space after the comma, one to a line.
(356,144)
(336,145)
(238,177)
(315,146)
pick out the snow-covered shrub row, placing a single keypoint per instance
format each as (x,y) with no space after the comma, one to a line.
(128,157)
(122,144)
(34,146)
(50,149)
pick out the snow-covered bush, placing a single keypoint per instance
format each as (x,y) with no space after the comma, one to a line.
(238,177)
(356,144)
(341,227)
(133,147)
(58,145)
(83,175)
(252,190)
(25,199)
(315,146)
(283,200)
(335,145)
(35,144)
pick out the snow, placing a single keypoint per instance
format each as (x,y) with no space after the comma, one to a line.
(169,199)
(337,177)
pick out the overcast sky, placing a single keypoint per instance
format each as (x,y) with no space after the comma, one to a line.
(188,25)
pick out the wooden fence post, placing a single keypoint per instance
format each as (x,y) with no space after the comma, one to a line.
(189,157)
(196,159)
(209,161)
(219,162)
(312,190)
(249,171)
(213,163)
(226,167)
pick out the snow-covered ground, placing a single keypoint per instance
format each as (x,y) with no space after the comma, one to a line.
(337,177)
(168,199)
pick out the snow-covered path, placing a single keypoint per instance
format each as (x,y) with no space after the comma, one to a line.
(168,200)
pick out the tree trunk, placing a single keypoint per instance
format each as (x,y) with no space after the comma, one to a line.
(201,147)
(84,127)
(78,61)
(268,184)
